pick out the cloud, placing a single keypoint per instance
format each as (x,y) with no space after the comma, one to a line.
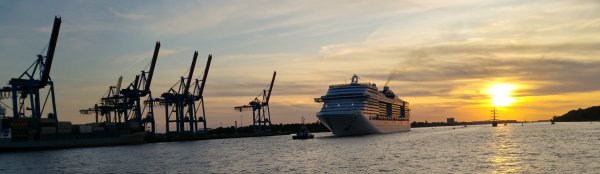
(451,63)
(129,16)
(503,42)
(45,30)
(444,52)
(275,19)
(134,59)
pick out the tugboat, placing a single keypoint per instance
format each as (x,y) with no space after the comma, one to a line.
(303,133)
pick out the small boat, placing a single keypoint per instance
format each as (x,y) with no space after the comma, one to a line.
(303,134)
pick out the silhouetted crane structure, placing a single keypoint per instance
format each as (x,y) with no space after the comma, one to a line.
(27,86)
(261,114)
(125,105)
(182,106)
(106,109)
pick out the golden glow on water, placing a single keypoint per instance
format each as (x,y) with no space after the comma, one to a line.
(501,94)
(507,155)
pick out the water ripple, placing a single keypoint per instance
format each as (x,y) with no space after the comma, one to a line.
(533,148)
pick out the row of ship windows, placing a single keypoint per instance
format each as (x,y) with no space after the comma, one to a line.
(381,109)
(350,91)
(374,114)
(345,93)
(343,106)
(361,104)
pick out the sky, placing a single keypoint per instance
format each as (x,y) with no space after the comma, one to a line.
(441,56)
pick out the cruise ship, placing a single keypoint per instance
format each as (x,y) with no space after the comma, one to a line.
(360,108)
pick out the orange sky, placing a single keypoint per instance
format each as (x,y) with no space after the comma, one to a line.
(443,56)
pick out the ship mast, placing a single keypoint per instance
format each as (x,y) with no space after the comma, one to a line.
(494,116)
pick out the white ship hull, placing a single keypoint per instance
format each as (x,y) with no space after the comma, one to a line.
(347,123)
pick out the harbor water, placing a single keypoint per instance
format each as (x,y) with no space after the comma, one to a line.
(532,148)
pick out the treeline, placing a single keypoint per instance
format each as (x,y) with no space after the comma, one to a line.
(433,124)
(430,124)
(278,128)
(587,114)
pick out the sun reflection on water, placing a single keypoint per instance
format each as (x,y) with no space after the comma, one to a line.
(506,156)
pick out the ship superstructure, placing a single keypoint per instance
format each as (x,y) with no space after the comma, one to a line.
(360,108)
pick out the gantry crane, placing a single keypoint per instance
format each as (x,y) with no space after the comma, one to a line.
(27,86)
(126,104)
(261,114)
(198,97)
(183,103)
(106,108)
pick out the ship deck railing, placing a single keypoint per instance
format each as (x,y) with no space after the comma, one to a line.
(356,84)
(388,118)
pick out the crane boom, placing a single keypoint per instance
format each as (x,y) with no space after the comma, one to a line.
(50,53)
(118,87)
(271,87)
(191,73)
(205,74)
(151,71)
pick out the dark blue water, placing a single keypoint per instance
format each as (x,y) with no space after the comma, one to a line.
(533,148)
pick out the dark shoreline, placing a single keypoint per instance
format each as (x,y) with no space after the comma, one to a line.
(233,132)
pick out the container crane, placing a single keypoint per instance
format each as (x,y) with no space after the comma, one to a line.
(183,102)
(261,114)
(107,108)
(27,86)
(198,97)
(125,104)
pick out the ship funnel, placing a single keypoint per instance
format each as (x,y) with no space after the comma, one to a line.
(388,93)
(354,79)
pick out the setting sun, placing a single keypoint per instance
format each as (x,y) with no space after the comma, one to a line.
(501,94)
